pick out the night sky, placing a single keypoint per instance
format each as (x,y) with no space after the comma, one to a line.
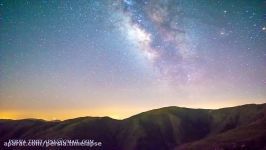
(65,59)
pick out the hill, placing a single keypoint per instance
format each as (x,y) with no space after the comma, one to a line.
(169,128)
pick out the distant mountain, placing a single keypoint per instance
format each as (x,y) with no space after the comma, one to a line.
(169,128)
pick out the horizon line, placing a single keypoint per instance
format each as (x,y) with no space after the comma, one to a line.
(106,116)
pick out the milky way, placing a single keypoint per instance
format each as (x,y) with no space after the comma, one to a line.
(160,31)
(126,56)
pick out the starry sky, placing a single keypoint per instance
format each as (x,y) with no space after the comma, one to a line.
(65,59)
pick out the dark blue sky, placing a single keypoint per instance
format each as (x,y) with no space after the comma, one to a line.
(120,57)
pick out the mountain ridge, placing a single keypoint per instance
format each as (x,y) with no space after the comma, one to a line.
(166,107)
(167,128)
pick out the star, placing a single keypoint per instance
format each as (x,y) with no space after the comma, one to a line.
(84,53)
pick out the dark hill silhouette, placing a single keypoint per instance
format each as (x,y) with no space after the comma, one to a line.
(169,128)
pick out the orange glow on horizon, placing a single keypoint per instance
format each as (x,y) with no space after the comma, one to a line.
(8,115)
(113,112)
